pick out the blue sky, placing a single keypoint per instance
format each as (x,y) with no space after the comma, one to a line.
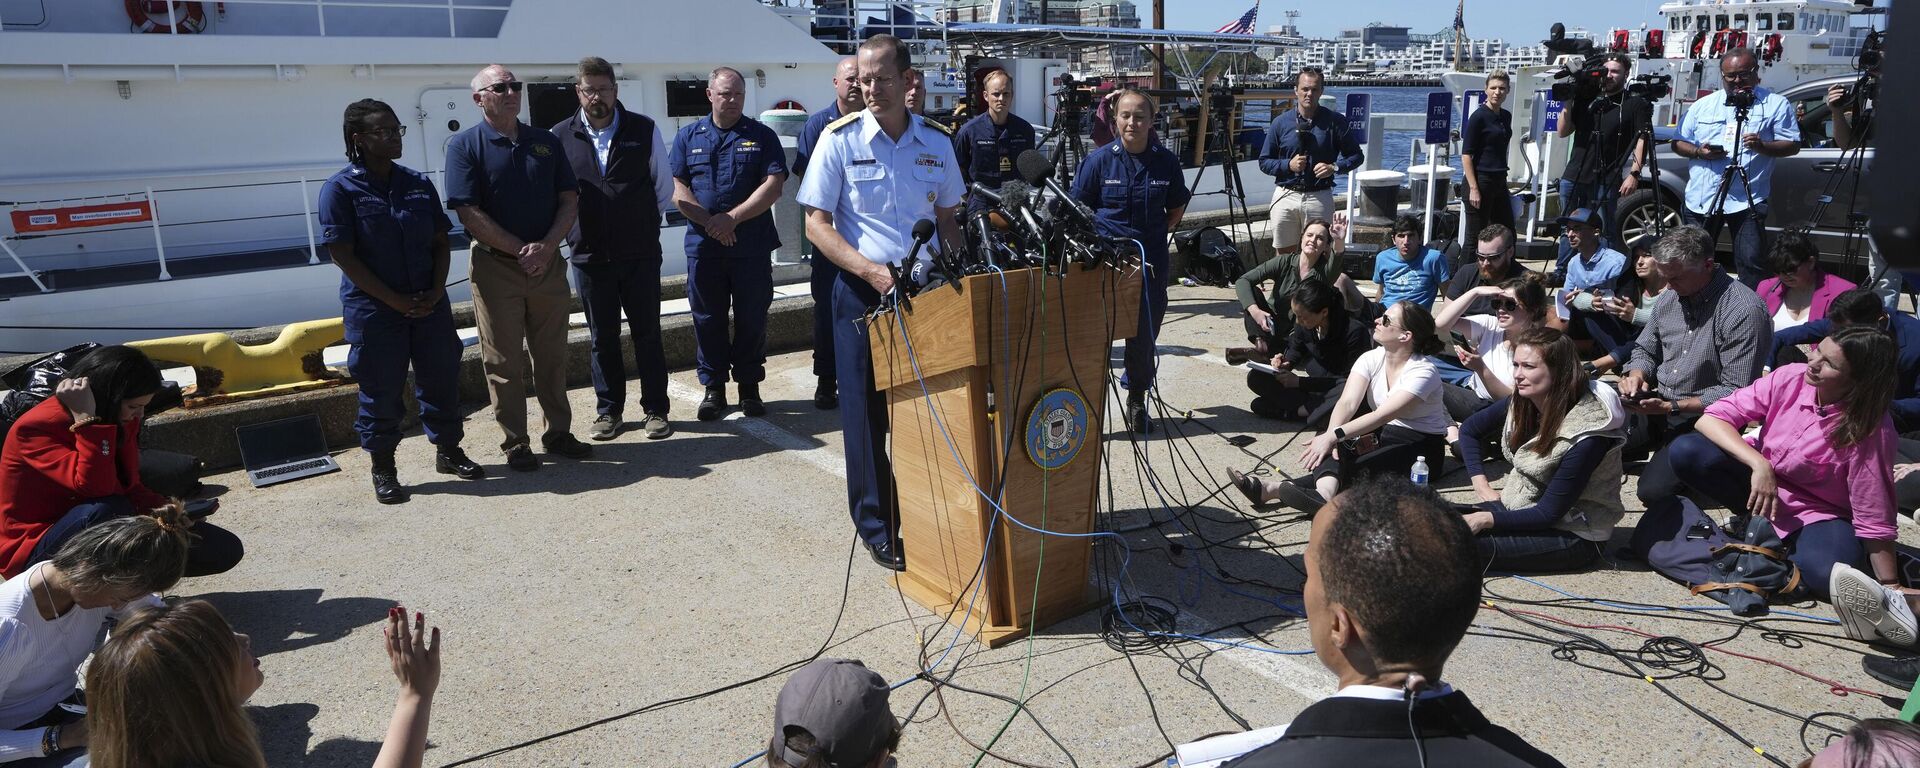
(1516,21)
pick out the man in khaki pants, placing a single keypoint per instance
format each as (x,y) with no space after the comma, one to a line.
(1305,148)
(517,196)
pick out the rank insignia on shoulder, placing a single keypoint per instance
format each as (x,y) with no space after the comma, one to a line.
(845,120)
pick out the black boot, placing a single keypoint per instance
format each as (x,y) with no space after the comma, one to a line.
(386,480)
(1137,418)
(826,394)
(714,405)
(750,402)
(450,460)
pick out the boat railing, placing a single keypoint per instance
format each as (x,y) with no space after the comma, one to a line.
(146,209)
(178,11)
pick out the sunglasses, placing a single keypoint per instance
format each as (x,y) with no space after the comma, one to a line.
(1385,321)
(510,85)
(1478,256)
(1504,304)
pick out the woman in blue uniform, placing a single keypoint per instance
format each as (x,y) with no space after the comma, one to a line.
(1136,192)
(385,227)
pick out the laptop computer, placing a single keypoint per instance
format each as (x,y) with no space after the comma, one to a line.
(284,449)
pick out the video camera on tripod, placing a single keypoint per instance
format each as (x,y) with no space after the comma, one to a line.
(1075,97)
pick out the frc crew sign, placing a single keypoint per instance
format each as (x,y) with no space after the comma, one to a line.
(81,216)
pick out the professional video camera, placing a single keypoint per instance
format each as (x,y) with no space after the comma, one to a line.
(1220,99)
(1582,84)
(1651,87)
(1075,97)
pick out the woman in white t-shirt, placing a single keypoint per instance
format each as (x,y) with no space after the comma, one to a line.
(1519,304)
(52,614)
(1407,421)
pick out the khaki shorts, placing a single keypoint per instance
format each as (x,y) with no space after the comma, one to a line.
(1290,212)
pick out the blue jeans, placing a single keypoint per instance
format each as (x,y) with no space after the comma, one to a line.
(1601,195)
(211,549)
(632,287)
(1814,549)
(1544,551)
(1749,238)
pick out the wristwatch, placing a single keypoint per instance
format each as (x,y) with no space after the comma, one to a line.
(1339,433)
(1673,407)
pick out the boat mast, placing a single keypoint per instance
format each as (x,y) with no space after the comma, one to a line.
(1159,51)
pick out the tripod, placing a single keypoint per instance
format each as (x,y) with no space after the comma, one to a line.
(1070,149)
(1220,134)
(1653,168)
(1719,209)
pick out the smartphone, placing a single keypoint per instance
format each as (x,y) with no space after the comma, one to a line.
(1713,148)
(1648,394)
(1461,340)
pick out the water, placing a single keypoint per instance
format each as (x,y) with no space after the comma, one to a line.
(1396,146)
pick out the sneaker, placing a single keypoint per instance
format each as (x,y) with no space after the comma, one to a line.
(568,446)
(521,459)
(1897,671)
(605,427)
(1868,610)
(1299,495)
(656,426)
(750,402)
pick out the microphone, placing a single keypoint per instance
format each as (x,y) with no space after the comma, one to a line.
(1036,169)
(989,195)
(1016,205)
(922,232)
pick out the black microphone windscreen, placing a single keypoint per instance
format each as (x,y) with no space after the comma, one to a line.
(1033,166)
(1015,192)
(923,230)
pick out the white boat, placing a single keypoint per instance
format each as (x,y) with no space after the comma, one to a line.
(221,120)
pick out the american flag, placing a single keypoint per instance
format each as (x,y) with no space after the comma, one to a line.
(1242,25)
(1460,15)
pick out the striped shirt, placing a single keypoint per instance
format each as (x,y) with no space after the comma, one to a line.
(1706,345)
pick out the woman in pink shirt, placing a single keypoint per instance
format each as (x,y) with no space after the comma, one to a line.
(1800,291)
(1822,466)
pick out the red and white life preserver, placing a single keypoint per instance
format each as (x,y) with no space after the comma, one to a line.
(1736,39)
(1622,41)
(1720,42)
(788,104)
(1699,44)
(153,17)
(1655,44)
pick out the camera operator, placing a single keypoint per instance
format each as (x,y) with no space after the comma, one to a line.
(1610,129)
(1745,123)
(1303,151)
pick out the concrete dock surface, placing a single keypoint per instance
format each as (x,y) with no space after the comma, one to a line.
(580,602)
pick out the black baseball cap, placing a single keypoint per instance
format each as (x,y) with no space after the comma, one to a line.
(842,705)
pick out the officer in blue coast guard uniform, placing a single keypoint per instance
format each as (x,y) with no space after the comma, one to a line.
(872,176)
(846,101)
(1136,192)
(728,170)
(988,145)
(386,229)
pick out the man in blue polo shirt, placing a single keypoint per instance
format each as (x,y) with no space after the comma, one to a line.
(846,101)
(987,145)
(1305,148)
(728,170)
(1715,132)
(1136,192)
(515,193)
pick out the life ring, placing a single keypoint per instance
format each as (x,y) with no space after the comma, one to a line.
(151,17)
(789,104)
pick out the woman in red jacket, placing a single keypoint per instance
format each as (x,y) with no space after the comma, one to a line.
(74,460)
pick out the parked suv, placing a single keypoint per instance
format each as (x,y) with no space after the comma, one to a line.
(1798,183)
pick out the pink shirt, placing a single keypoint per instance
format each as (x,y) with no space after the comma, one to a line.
(1817,481)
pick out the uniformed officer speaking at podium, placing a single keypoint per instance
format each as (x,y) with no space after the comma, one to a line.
(873,175)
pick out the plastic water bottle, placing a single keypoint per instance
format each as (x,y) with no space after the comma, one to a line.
(1420,470)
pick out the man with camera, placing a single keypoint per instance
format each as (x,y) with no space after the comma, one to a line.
(1303,151)
(1732,136)
(1610,126)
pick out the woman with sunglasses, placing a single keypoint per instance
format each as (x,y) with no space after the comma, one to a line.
(1519,305)
(387,231)
(1800,291)
(1408,418)
(1563,434)
(1630,303)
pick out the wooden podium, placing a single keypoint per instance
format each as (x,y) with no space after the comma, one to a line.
(986,356)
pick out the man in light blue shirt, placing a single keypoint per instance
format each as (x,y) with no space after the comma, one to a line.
(872,176)
(1404,272)
(1713,134)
